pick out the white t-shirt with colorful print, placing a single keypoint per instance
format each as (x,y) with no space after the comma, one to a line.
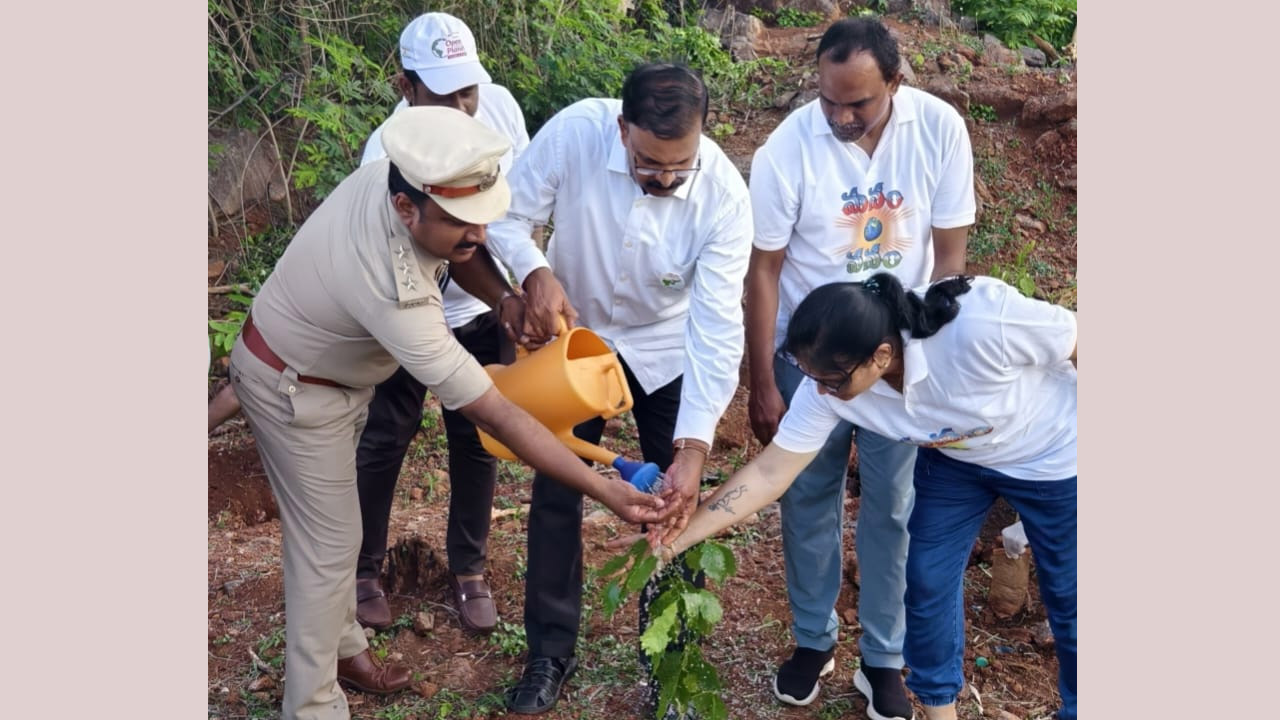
(994,387)
(843,216)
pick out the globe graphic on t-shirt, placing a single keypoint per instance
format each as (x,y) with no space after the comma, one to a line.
(872,229)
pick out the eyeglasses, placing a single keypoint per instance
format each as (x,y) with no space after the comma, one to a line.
(833,387)
(681,174)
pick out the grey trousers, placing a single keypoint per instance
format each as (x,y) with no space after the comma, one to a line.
(307,436)
(812,518)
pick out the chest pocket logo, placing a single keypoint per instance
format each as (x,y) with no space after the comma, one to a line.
(672,281)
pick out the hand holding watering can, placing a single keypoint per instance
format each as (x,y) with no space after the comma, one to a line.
(546,308)
(572,379)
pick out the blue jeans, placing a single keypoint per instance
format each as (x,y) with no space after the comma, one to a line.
(952,500)
(812,515)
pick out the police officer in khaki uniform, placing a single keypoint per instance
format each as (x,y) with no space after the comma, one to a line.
(354,296)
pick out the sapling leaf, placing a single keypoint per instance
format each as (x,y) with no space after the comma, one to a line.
(664,599)
(615,564)
(717,562)
(612,597)
(640,573)
(668,680)
(661,631)
(709,706)
(702,610)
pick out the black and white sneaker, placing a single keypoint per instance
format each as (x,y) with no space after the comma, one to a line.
(886,695)
(796,682)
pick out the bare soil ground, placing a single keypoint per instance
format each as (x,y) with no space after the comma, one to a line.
(1009,662)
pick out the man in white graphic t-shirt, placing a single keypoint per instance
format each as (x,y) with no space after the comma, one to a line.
(871,176)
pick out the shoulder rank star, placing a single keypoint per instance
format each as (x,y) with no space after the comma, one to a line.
(400,251)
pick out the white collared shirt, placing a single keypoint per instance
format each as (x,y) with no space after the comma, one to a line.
(499,111)
(659,278)
(843,216)
(994,387)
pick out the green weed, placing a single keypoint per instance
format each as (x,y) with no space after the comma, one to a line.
(271,647)
(985,113)
(1018,272)
(722,130)
(509,639)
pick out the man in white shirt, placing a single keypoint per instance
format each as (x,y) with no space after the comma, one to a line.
(871,176)
(441,68)
(651,243)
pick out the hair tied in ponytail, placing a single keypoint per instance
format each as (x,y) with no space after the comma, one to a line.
(872,285)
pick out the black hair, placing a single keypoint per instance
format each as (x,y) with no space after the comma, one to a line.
(396,184)
(667,99)
(412,77)
(857,34)
(841,324)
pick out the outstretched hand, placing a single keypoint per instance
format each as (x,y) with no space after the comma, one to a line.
(636,507)
(680,486)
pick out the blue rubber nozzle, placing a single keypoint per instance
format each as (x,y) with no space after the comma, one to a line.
(642,476)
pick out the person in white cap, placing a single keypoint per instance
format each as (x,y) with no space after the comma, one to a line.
(353,297)
(440,68)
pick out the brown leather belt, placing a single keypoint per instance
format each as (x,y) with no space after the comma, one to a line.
(258,346)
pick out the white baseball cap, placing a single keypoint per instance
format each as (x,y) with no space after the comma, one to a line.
(442,51)
(451,157)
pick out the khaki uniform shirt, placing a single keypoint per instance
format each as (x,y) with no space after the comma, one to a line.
(353,297)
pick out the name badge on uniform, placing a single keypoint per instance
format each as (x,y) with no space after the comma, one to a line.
(674,281)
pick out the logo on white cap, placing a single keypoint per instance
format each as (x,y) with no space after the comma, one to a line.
(449,47)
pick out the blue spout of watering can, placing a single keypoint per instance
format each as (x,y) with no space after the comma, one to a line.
(642,476)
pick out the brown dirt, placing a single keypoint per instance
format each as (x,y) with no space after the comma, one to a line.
(459,673)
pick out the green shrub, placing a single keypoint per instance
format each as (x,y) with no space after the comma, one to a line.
(1015,21)
(790,17)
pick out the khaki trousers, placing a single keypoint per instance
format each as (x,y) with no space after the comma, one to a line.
(307,436)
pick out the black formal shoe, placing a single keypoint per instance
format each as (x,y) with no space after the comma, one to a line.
(539,686)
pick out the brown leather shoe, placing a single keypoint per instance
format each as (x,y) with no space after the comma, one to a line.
(371,604)
(364,673)
(474,601)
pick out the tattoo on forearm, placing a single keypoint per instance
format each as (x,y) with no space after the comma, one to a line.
(723,503)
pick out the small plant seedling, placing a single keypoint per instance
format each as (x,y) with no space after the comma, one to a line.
(686,681)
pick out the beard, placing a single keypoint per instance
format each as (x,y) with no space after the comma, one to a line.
(851,132)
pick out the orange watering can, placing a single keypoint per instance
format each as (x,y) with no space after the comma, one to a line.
(570,380)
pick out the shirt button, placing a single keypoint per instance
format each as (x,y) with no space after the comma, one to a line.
(623,277)
(626,244)
(618,301)
(293,388)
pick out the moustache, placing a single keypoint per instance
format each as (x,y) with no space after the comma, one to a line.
(850,131)
(659,187)
(466,245)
